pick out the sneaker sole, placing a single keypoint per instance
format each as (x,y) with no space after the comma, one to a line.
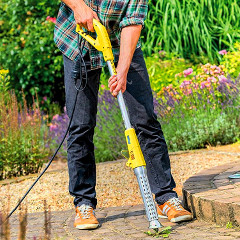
(181,219)
(162,216)
(87,226)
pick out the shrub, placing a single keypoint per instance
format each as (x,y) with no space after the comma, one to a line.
(194,115)
(210,83)
(162,68)
(197,129)
(27,48)
(22,137)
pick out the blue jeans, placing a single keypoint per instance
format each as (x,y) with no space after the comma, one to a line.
(139,100)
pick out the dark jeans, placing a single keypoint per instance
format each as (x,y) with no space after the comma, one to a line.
(139,100)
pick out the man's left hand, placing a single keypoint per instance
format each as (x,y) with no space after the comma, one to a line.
(118,82)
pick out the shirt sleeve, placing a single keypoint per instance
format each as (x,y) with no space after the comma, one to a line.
(136,13)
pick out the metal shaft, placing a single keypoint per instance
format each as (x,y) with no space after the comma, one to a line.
(140,172)
(121,101)
(147,197)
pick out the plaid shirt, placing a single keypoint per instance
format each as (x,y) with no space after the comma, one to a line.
(113,14)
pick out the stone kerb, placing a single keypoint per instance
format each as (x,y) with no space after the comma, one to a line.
(212,196)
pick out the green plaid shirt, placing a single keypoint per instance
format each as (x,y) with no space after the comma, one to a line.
(113,14)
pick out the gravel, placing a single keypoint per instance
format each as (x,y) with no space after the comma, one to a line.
(116,183)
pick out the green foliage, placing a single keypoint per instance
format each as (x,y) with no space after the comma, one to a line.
(231,61)
(202,110)
(165,232)
(193,130)
(4,83)
(191,28)
(162,70)
(201,116)
(105,75)
(27,47)
(229,225)
(22,138)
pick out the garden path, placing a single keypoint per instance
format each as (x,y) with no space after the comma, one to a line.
(120,211)
(120,223)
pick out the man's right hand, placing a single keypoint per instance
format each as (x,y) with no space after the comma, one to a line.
(82,13)
(84,16)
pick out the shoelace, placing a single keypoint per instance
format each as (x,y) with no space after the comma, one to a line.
(176,203)
(85,211)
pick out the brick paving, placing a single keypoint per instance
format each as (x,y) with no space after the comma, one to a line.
(128,223)
(212,197)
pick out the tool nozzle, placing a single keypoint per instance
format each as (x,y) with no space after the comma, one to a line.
(155,225)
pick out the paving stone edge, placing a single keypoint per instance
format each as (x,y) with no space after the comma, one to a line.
(211,196)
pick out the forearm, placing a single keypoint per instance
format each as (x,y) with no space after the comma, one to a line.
(73,4)
(82,13)
(129,38)
(128,43)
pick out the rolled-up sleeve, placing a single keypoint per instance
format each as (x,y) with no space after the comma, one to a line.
(136,13)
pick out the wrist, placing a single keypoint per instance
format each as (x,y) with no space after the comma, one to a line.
(123,65)
(123,68)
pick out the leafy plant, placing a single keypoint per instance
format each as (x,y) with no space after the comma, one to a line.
(231,60)
(191,28)
(229,225)
(195,115)
(28,50)
(165,232)
(162,69)
(4,81)
(4,84)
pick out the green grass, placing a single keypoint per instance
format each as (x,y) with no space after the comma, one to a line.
(191,28)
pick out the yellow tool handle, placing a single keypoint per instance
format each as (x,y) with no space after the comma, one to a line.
(101,43)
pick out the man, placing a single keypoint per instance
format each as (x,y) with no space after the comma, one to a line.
(123,20)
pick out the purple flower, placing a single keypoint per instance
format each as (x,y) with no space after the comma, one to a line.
(222,79)
(185,83)
(212,79)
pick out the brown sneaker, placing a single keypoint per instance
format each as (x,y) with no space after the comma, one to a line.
(85,218)
(173,210)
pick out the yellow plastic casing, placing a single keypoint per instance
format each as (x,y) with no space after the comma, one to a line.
(101,43)
(136,158)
